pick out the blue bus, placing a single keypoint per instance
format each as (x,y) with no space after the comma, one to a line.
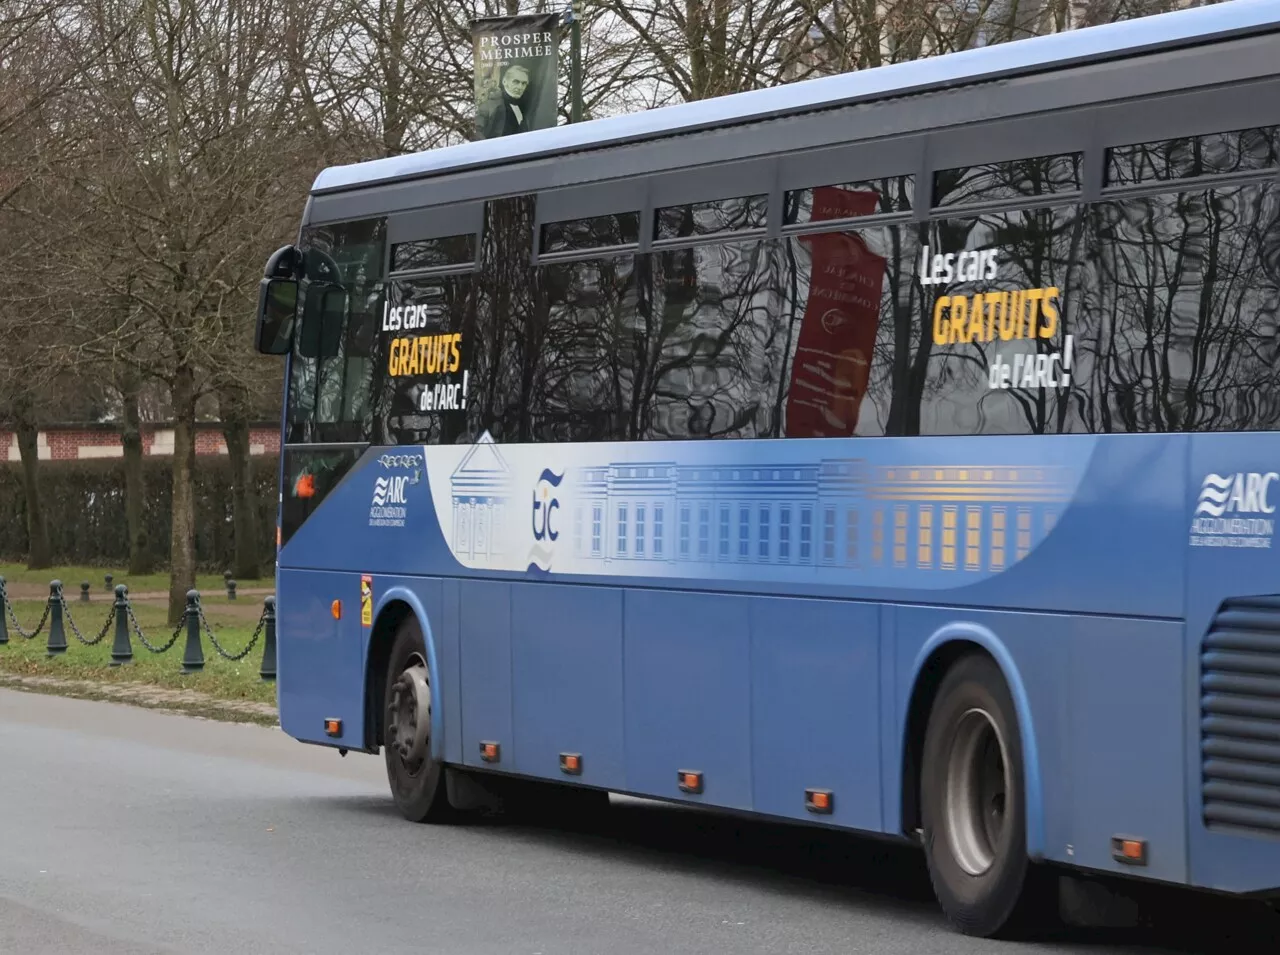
(892,452)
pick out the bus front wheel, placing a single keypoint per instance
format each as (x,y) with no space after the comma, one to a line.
(973,804)
(416,779)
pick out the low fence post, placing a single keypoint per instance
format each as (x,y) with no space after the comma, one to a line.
(231,589)
(84,592)
(108,578)
(193,657)
(4,614)
(122,649)
(57,644)
(268,671)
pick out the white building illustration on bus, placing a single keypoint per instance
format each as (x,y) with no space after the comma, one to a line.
(663,517)
(837,512)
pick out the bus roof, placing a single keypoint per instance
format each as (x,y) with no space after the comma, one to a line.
(1037,54)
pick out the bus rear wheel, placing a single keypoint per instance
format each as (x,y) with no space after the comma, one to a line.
(416,779)
(973,804)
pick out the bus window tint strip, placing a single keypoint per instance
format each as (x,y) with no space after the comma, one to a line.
(1003,321)
(452,250)
(1187,157)
(849,200)
(710,218)
(595,232)
(1007,181)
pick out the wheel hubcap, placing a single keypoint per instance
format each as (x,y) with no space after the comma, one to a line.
(409,716)
(976,791)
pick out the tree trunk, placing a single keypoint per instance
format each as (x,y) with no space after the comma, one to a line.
(182,561)
(135,490)
(39,554)
(244,504)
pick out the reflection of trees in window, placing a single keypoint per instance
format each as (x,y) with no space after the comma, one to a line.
(594,232)
(577,392)
(330,384)
(433,253)
(1189,156)
(506,313)
(710,218)
(710,353)
(1003,181)
(888,196)
(1184,289)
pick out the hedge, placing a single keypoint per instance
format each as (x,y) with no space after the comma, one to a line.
(84,508)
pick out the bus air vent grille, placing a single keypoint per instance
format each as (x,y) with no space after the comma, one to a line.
(1240,717)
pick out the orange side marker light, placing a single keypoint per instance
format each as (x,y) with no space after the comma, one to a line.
(819,801)
(1129,851)
(690,781)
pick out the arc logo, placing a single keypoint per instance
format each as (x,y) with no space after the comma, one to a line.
(1242,493)
(544,518)
(390,490)
(1222,505)
(390,495)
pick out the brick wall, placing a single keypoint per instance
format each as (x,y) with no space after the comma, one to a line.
(75,442)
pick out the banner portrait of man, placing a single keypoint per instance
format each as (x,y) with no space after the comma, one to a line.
(507,112)
(516,73)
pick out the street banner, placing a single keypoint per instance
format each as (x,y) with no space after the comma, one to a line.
(516,73)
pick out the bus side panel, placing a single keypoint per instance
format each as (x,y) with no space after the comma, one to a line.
(687,694)
(1232,726)
(567,687)
(1126,757)
(450,649)
(815,708)
(319,663)
(484,639)
(1103,696)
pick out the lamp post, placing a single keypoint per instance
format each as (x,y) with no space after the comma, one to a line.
(575,62)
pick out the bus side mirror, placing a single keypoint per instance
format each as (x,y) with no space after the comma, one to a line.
(277,308)
(277,303)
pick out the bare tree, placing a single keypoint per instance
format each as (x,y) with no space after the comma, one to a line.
(194,177)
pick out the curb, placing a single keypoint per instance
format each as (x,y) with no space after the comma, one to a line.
(148,696)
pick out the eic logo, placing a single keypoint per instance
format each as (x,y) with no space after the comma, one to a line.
(545,505)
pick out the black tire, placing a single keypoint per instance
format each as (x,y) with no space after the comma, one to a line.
(977,858)
(417,785)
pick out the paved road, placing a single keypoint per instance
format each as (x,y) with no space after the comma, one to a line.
(128,832)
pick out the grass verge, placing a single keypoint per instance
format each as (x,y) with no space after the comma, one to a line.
(19,579)
(223,689)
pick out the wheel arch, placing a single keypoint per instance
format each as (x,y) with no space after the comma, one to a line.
(929,668)
(395,606)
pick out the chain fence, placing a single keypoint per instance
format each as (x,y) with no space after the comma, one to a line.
(57,621)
